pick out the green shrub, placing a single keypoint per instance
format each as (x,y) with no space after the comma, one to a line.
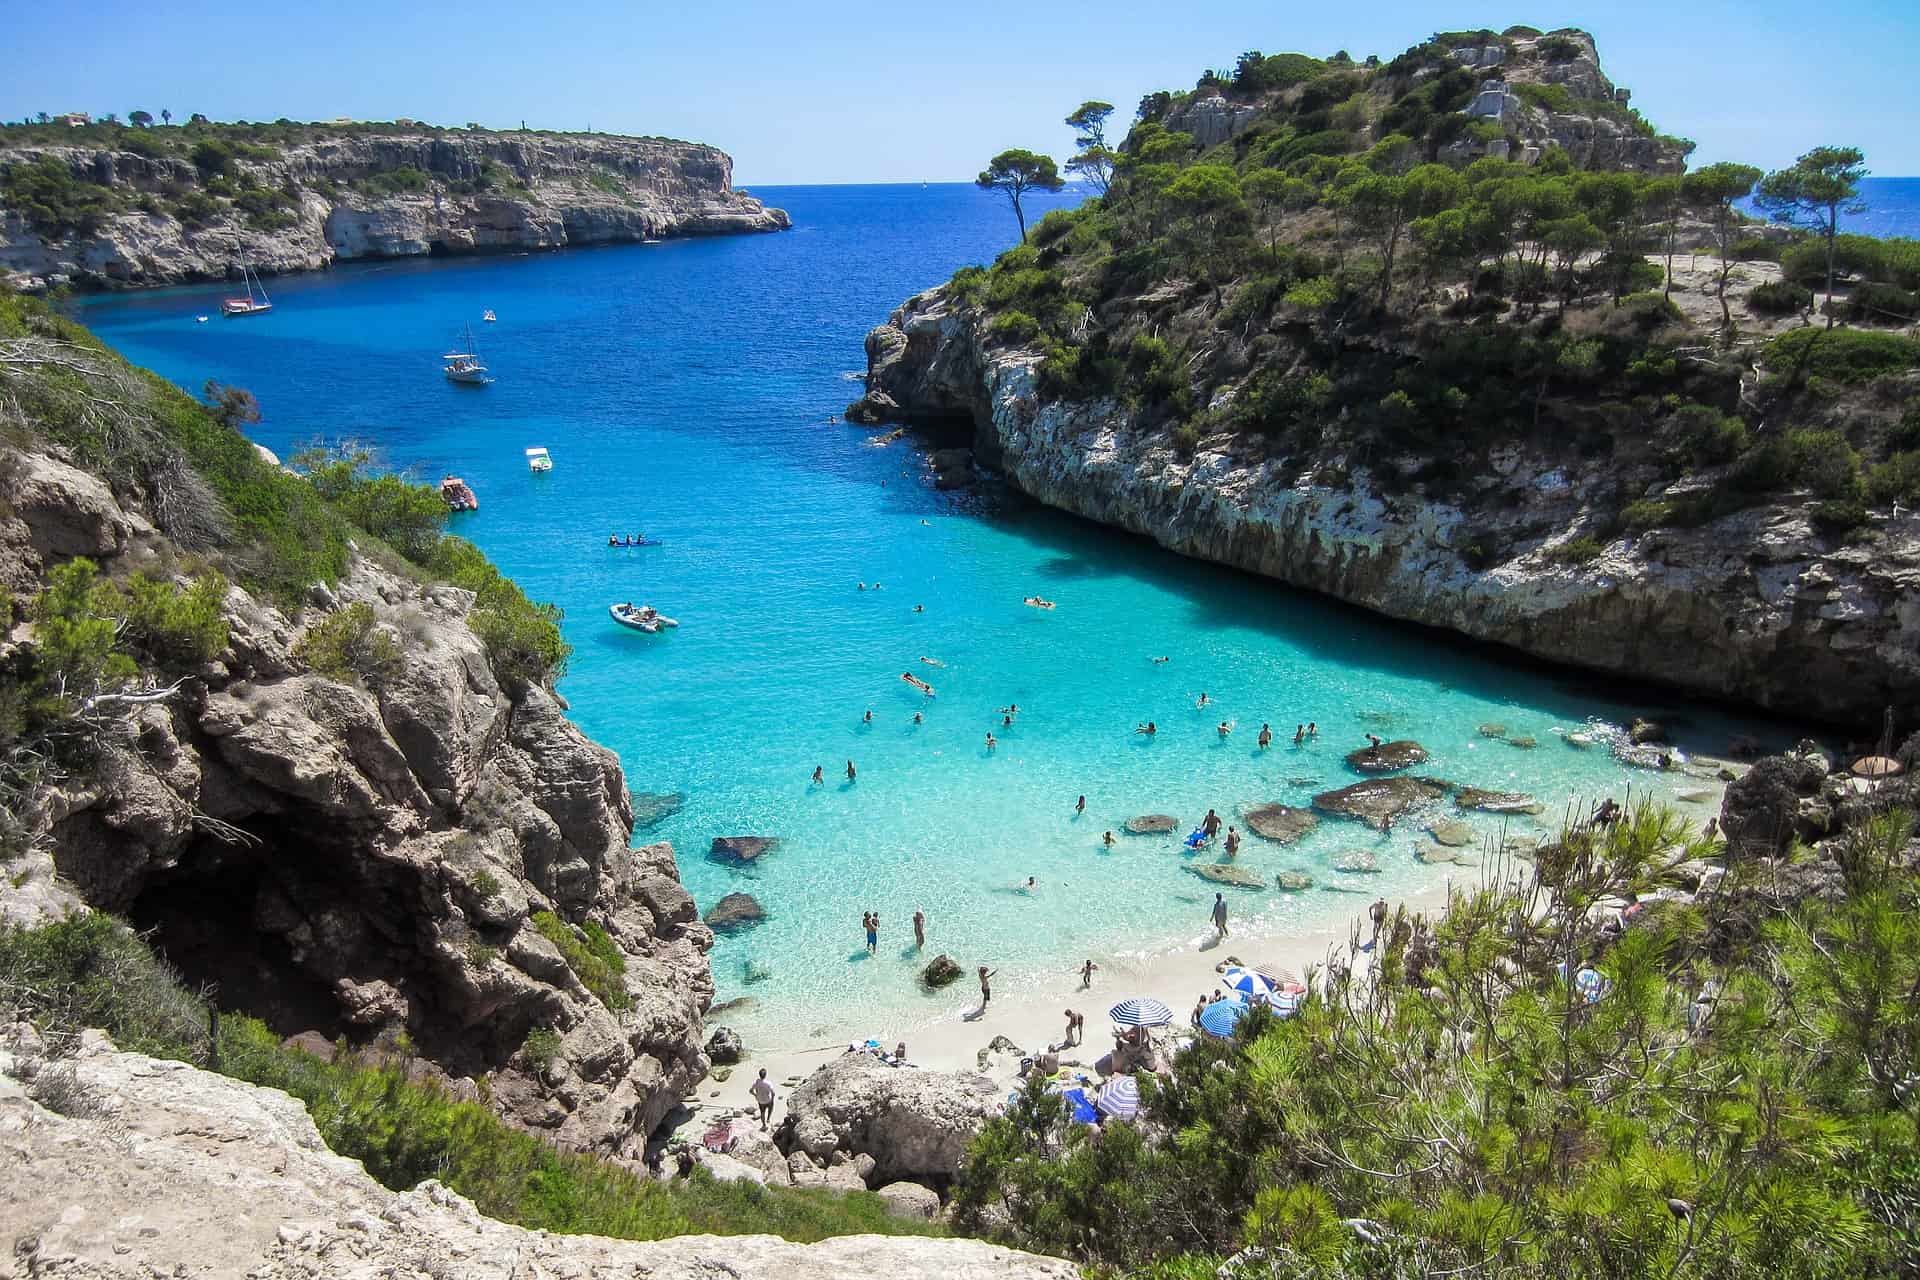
(523,639)
(1838,515)
(1780,297)
(395,181)
(1708,436)
(1756,249)
(1014,327)
(485,885)
(179,628)
(54,202)
(540,1048)
(1580,550)
(347,644)
(592,956)
(1882,304)
(1825,463)
(968,286)
(1895,480)
(1548,97)
(1646,513)
(1805,261)
(92,971)
(1840,355)
(1315,294)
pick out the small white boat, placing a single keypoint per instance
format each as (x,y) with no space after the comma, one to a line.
(641,618)
(538,459)
(199,319)
(249,305)
(464,367)
(487,315)
(458,494)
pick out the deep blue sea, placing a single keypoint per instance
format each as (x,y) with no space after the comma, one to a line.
(1893,208)
(686,390)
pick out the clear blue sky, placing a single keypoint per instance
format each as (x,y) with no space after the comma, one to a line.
(835,92)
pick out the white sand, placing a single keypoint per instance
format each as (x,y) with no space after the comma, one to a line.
(1035,1020)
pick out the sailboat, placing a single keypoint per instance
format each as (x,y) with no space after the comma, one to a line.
(249,305)
(464,367)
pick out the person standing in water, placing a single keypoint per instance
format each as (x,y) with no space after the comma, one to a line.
(1233,842)
(991,744)
(1080,805)
(1313,730)
(1087,971)
(1210,824)
(850,771)
(873,932)
(867,718)
(1220,914)
(819,778)
(919,929)
(986,989)
(1108,839)
(1299,734)
(1266,736)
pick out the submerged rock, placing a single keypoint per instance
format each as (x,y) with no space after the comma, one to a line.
(1525,741)
(1282,823)
(735,911)
(1228,873)
(650,808)
(1355,862)
(1493,731)
(1451,832)
(1481,801)
(1435,853)
(743,849)
(940,971)
(1293,881)
(1378,801)
(1151,824)
(1403,753)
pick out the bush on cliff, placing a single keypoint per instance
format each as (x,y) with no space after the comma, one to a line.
(1839,355)
(92,971)
(54,202)
(1734,1105)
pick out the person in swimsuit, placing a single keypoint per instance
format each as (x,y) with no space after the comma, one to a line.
(986,990)
(867,718)
(1087,971)
(1266,736)
(919,928)
(1233,842)
(991,743)
(1220,914)
(1210,824)
(1108,839)
(1149,728)
(1080,805)
(819,778)
(918,718)
(850,771)
(1299,734)
(873,932)
(1313,730)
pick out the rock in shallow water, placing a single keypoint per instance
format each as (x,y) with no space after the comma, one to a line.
(1235,877)
(1282,823)
(735,911)
(1498,801)
(1355,862)
(743,849)
(940,971)
(1450,832)
(1378,801)
(1388,756)
(1151,824)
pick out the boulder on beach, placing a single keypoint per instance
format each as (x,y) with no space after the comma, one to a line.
(1378,801)
(1151,824)
(1641,732)
(940,971)
(1293,881)
(1403,753)
(913,1123)
(1229,874)
(735,911)
(743,849)
(1451,832)
(1355,862)
(1282,823)
(910,1200)
(1481,801)
(724,1047)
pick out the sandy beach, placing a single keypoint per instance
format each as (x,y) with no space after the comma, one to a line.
(1035,1019)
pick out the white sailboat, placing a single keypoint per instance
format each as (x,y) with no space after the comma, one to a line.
(249,305)
(464,367)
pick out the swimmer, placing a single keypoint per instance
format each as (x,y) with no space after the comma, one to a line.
(1161,659)
(850,771)
(863,586)
(928,523)
(613,540)
(1204,699)
(1011,709)
(918,718)
(1080,806)
(1149,728)
(819,778)
(1107,839)
(1030,886)
(1299,734)
(867,718)
(932,662)
(1006,722)
(1266,736)
(991,742)
(1224,728)
(919,608)
(1313,730)
(876,586)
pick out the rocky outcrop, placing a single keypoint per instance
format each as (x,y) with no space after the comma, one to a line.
(477,191)
(251,1190)
(1211,119)
(395,858)
(1757,605)
(912,1123)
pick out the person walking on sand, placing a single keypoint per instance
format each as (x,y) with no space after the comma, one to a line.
(1087,971)
(1266,736)
(919,929)
(1220,914)
(819,778)
(763,1097)
(873,932)
(986,989)
(1378,914)
(850,771)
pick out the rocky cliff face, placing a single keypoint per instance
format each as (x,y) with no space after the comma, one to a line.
(481,191)
(391,859)
(251,1190)
(1757,606)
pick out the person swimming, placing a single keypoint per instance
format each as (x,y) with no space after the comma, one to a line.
(1080,806)
(819,778)
(1266,736)
(613,540)
(1149,728)
(850,771)
(867,718)
(932,662)
(1006,722)
(919,608)
(1107,839)
(1299,733)
(1313,730)
(991,742)
(1224,728)
(1161,659)
(1204,699)
(918,718)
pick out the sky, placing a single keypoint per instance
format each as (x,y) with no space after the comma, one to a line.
(828,92)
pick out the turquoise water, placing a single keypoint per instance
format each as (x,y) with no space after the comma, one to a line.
(684,391)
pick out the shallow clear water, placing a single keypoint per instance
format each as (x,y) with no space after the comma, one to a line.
(684,390)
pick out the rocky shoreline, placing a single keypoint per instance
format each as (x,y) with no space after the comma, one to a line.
(1758,607)
(350,196)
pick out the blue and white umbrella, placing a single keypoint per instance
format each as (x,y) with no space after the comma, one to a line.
(1286,1003)
(1120,1098)
(1141,1011)
(1248,983)
(1222,1016)
(1591,985)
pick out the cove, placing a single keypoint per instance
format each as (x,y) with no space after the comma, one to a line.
(685,391)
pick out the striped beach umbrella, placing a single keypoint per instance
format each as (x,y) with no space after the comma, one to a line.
(1277,975)
(1286,1003)
(1141,1011)
(1120,1098)
(1222,1016)
(1248,983)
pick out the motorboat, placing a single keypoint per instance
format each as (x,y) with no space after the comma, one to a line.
(458,494)
(254,303)
(538,459)
(641,617)
(464,367)
(487,315)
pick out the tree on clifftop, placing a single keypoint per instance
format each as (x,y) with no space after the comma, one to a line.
(139,119)
(1821,185)
(1094,162)
(1712,191)
(1014,173)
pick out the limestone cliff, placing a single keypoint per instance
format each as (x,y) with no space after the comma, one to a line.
(323,195)
(1757,606)
(401,860)
(152,1167)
